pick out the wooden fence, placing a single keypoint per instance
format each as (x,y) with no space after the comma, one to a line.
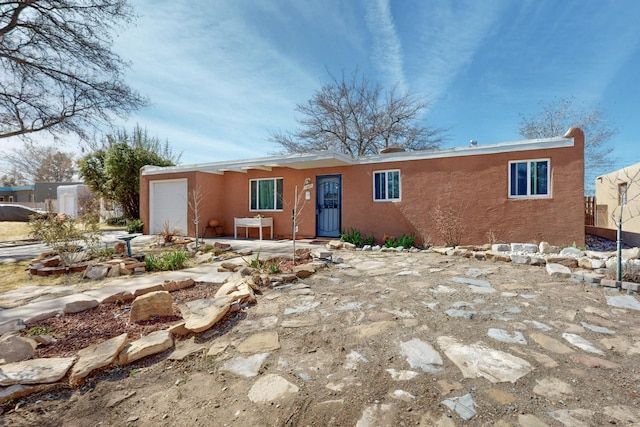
(589,210)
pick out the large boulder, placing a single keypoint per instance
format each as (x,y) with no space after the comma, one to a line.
(97,356)
(14,348)
(155,342)
(200,315)
(158,303)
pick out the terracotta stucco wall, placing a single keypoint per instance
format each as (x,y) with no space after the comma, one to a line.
(607,198)
(475,187)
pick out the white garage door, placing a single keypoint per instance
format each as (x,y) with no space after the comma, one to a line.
(168,202)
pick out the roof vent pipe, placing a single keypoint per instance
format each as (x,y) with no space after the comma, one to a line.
(473,142)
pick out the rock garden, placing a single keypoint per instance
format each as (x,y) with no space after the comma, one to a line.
(517,334)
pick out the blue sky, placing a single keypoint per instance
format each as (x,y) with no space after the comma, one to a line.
(221,75)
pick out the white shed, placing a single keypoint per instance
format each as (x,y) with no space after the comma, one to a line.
(71,197)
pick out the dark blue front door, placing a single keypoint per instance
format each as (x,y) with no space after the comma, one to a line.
(328,205)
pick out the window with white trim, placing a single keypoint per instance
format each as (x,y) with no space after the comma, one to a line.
(265,194)
(386,186)
(529,178)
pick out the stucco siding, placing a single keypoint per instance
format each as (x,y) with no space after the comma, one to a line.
(475,187)
(607,199)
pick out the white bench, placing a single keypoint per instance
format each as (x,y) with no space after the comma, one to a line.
(247,223)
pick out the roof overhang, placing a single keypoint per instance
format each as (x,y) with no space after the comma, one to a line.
(325,159)
(319,159)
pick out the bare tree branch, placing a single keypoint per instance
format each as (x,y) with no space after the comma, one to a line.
(560,114)
(59,74)
(355,117)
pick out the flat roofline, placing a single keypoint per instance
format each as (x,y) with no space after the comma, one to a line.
(320,159)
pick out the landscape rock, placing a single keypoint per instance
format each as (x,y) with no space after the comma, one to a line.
(144,307)
(478,360)
(35,371)
(303,271)
(186,348)
(498,256)
(552,388)
(321,254)
(503,336)
(594,362)
(562,260)
(18,391)
(547,249)
(155,342)
(13,325)
(572,252)
(625,301)
(581,343)
(245,366)
(500,247)
(114,271)
(463,406)
(78,303)
(271,387)
(632,253)
(96,272)
(14,348)
(262,342)
(334,244)
(174,285)
(421,355)
(97,356)
(200,315)
(558,270)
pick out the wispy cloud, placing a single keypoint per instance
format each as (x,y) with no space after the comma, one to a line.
(215,80)
(448,38)
(387,50)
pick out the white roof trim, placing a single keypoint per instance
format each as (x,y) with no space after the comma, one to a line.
(331,158)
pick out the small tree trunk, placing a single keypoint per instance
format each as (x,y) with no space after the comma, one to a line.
(619,241)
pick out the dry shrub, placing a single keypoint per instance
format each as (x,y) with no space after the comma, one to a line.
(630,272)
(493,237)
(449,224)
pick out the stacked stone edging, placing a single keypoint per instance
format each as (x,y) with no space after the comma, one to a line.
(237,292)
(588,267)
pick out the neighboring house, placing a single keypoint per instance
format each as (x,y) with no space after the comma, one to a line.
(71,199)
(522,191)
(41,195)
(612,191)
(22,194)
(75,198)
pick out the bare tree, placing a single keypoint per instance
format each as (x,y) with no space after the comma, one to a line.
(33,163)
(13,176)
(58,71)
(195,204)
(356,117)
(560,114)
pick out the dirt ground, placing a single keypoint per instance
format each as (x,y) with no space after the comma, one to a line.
(342,348)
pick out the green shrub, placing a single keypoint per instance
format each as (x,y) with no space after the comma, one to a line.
(118,220)
(175,260)
(135,226)
(105,252)
(404,241)
(354,236)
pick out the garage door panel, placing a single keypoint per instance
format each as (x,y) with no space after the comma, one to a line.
(168,202)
